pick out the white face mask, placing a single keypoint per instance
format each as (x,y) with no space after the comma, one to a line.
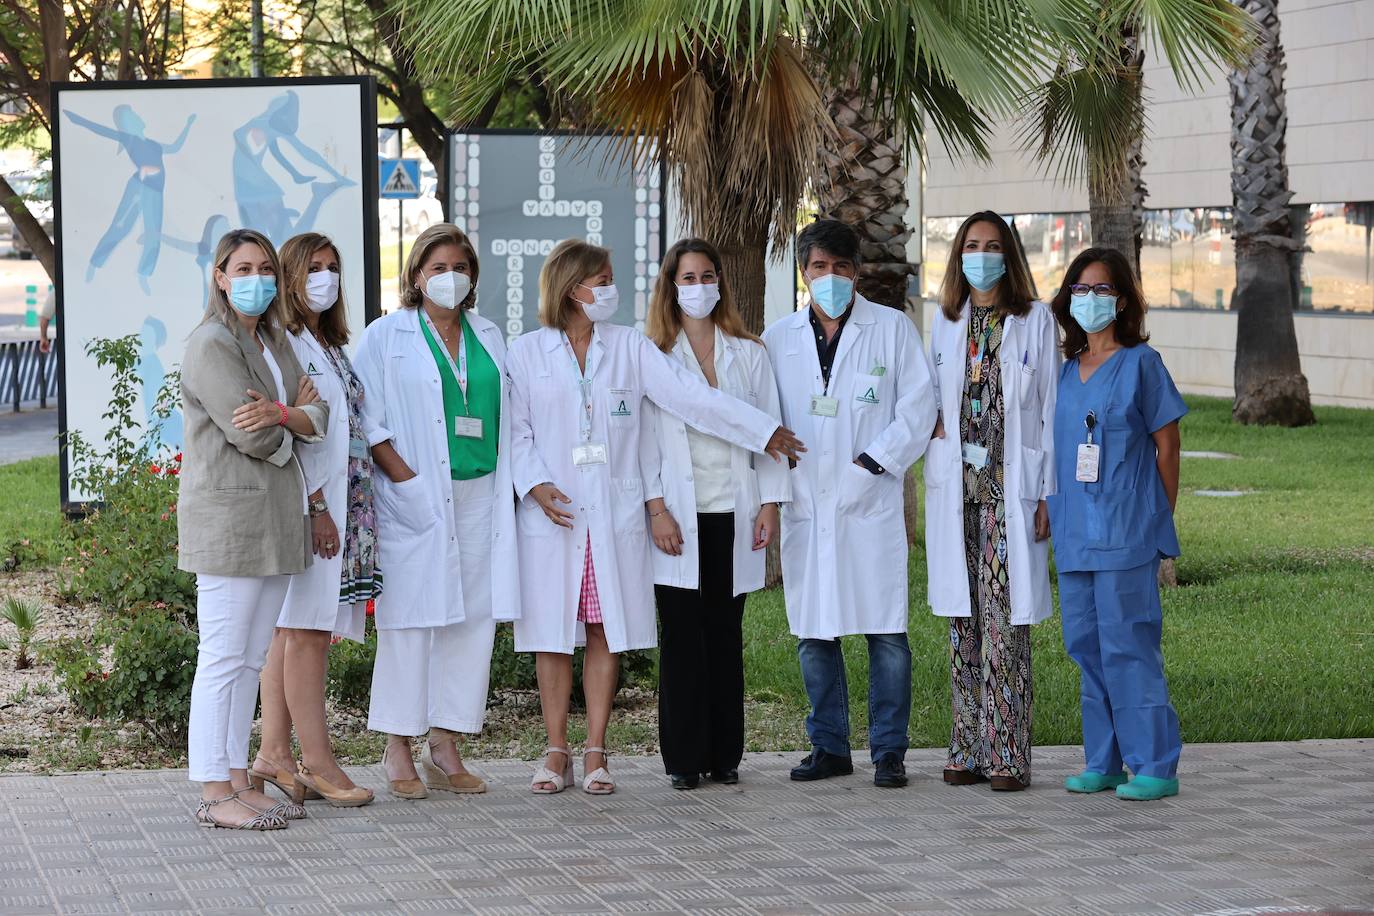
(322,290)
(698,300)
(448,289)
(605,300)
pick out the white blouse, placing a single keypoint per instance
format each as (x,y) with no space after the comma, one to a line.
(711,457)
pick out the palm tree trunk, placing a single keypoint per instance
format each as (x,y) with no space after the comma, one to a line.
(1270,386)
(1116,200)
(743,263)
(864,185)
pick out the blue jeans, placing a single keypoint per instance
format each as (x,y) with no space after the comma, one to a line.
(889,694)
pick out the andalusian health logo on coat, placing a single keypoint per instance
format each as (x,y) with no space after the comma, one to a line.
(623,410)
(870,396)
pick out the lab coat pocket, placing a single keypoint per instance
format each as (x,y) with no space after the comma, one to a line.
(627,507)
(530,520)
(404,504)
(1031,473)
(868,391)
(798,509)
(941,462)
(622,407)
(859,492)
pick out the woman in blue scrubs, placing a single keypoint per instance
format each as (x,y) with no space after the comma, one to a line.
(1116,447)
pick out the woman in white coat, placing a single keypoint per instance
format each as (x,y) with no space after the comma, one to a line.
(577,387)
(438,420)
(988,471)
(331,596)
(713,511)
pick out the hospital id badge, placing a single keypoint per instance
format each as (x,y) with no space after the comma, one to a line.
(975,456)
(467,427)
(589,453)
(357,448)
(1089,456)
(823,406)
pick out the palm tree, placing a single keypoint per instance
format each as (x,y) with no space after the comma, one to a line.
(727,92)
(1086,119)
(1270,386)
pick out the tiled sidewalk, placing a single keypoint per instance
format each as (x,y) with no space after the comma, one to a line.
(1258,828)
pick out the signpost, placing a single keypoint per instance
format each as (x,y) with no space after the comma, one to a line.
(399,180)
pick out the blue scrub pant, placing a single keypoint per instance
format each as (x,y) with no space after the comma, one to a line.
(1112,625)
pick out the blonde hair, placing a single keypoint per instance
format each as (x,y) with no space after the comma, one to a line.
(218,308)
(425,243)
(570,262)
(664,322)
(295,255)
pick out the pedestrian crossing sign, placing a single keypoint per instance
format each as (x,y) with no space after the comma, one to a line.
(400,178)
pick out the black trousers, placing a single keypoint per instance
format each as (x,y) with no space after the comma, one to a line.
(701,659)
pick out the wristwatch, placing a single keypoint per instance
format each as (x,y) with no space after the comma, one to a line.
(318,507)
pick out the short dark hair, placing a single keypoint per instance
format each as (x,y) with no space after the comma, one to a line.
(831,236)
(1130,314)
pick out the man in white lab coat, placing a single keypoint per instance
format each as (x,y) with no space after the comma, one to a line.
(856,387)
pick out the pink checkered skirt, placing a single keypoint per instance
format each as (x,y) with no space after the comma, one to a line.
(588,603)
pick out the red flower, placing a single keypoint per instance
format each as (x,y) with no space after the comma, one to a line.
(371,606)
(172,472)
(154,469)
(177,458)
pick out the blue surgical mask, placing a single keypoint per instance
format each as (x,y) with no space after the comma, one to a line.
(252,295)
(832,293)
(1093,312)
(984,269)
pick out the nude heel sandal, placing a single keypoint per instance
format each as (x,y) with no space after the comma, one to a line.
(559,781)
(434,775)
(600,775)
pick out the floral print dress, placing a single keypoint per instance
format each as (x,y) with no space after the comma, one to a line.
(361,579)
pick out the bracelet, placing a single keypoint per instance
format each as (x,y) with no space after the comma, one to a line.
(284,415)
(318,507)
(658,513)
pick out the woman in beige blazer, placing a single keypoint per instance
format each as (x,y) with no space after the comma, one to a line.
(241,515)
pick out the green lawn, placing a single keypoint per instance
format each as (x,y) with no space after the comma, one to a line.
(1269,636)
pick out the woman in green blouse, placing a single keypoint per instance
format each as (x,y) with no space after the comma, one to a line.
(435,419)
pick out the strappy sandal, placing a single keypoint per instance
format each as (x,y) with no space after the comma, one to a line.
(281,778)
(287,811)
(598,777)
(261,821)
(543,775)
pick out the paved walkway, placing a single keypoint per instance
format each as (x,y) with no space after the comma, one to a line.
(1259,828)
(31,433)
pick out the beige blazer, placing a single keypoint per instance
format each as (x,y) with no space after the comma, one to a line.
(241,509)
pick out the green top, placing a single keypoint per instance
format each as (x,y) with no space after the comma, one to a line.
(469,458)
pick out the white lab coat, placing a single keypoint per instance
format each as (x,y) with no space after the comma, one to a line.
(844,543)
(607,499)
(312,598)
(742,371)
(416,536)
(1030,379)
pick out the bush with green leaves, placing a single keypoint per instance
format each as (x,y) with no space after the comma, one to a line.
(152,664)
(25,617)
(126,549)
(348,681)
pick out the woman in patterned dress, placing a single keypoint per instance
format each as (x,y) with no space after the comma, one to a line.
(987,477)
(330,597)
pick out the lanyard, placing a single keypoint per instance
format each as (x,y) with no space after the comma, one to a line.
(584,384)
(460,368)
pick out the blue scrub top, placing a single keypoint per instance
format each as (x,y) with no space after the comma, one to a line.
(1123,520)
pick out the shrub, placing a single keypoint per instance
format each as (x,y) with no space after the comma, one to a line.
(25,616)
(152,667)
(349,679)
(511,670)
(127,548)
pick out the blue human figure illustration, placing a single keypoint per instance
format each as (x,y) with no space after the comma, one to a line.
(151,374)
(204,250)
(261,201)
(142,193)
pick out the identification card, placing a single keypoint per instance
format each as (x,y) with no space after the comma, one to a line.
(975,456)
(467,427)
(823,406)
(357,448)
(1089,455)
(590,453)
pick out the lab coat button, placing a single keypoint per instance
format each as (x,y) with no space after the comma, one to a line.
(689,478)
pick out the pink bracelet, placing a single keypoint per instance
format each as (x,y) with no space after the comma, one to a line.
(284,415)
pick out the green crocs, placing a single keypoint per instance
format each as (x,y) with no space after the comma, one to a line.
(1147,788)
(1088,782)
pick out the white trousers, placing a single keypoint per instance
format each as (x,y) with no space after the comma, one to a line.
(236,616)
(438,676)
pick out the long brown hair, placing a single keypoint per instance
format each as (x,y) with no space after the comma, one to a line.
(426,242)
(1130,313)
(218,308)
(295,255)
(1015,291)
(664,322)
(570,262)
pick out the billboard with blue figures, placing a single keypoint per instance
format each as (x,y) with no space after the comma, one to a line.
(148,178)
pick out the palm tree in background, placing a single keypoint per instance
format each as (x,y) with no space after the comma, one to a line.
(733,92)
(1270,386)
(1086,118)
